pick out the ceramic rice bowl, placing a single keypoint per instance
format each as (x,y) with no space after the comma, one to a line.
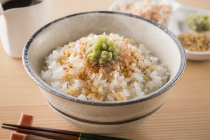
(104,117)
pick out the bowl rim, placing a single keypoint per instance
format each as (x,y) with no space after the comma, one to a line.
(48,88)
(196,53)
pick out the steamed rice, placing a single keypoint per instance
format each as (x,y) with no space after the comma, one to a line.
(135,74)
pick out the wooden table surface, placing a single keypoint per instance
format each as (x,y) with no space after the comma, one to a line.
(184,116)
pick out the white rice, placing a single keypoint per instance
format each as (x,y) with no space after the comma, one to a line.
(135,74)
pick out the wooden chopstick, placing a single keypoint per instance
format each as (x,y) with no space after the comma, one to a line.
(44,129)
(44,134)
(56,133)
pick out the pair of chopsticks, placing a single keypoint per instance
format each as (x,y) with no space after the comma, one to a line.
(56,134)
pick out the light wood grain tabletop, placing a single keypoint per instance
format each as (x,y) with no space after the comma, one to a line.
(184,116)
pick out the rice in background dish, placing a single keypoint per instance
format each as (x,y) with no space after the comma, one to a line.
(134,74)
(149,9)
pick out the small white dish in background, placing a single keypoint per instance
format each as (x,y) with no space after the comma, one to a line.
(177,24)
(114,7)
(156,10)
(197,56)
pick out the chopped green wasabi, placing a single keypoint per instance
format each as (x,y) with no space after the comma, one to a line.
(102,50)
(198,22)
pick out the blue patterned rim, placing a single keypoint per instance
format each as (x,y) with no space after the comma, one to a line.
(150,96)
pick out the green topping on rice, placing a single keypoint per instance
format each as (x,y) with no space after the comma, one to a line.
(102,50)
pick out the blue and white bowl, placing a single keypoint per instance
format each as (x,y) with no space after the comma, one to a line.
(104,117)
